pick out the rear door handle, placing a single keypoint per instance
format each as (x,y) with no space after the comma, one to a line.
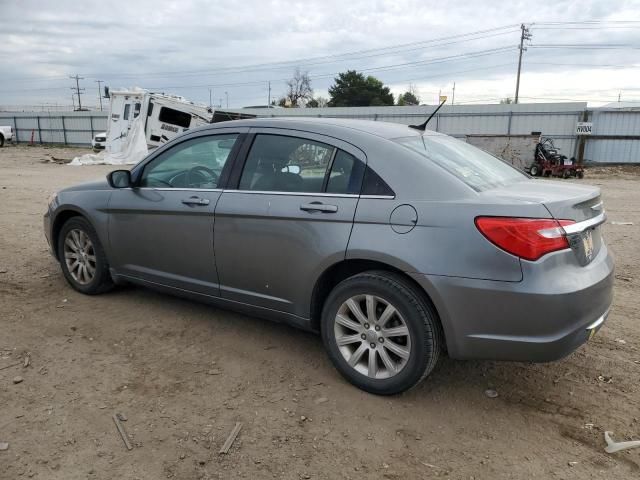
(195,201)
(319,207)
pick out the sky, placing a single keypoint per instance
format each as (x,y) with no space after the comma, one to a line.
(229,51)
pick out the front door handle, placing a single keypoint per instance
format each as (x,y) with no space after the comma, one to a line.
(196,201)
(319,207)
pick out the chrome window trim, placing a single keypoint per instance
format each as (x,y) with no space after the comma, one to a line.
(295,194)
(169,189)
(586,224)
(378,197)
(266,192)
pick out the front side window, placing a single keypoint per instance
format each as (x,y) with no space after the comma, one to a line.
(477,168)
(175,117)
(278,163)
(195,163)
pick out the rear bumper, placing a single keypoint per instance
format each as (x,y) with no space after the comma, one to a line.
(546,316)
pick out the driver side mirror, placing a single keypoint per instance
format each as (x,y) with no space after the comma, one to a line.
(119,179)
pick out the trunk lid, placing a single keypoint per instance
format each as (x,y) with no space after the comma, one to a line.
(564,201)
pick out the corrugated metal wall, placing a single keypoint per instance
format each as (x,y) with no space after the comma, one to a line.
(556,120)
(65,128)
(614,123)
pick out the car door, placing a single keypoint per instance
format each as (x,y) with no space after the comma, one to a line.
(289,217)
(161,230)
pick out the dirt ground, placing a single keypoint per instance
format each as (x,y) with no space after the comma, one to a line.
(184,373)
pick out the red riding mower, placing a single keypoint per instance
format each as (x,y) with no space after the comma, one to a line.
(548,162)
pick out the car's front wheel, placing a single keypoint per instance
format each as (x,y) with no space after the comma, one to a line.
(380,332)
(84,263)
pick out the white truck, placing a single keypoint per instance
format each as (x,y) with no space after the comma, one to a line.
(140,120)
(164,116)
(6,135)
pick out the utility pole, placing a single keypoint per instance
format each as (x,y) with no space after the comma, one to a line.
(453,96)
(269,101)
(78,89)
(227,95)
(524,35)
(99,92)
(210,93)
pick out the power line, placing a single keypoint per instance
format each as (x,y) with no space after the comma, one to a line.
(479,34)
(604,46)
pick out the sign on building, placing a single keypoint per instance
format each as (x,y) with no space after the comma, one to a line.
(584,128)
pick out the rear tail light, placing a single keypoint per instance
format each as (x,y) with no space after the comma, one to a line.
(528,238)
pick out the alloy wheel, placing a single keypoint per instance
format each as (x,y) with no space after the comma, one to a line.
(372,336)
(80,256)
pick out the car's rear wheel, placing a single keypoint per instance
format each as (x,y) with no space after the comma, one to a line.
(380,332)
(1,140)
(84,263)
(535,171)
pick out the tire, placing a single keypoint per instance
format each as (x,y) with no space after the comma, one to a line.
(72,236)
(534,171)
(414,315)
(580,174)
(1,140)
(566,174)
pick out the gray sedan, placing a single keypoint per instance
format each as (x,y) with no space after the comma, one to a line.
(396,244)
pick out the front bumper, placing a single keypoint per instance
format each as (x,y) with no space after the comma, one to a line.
(47,231)
(98,146)
(555,308)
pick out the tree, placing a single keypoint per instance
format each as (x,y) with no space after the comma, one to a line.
(317,102)
(408,98)
(353,89)
(506,100)
(299,90)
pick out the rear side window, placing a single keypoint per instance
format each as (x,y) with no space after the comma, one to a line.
(175,117)
(374,185)
(477,168)
(278,163)
(346,174)
(125,115)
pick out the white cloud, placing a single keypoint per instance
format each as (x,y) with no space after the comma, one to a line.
(181,47)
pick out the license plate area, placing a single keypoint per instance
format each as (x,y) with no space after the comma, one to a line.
(585,244)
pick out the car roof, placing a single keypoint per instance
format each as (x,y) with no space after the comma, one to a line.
(386,130)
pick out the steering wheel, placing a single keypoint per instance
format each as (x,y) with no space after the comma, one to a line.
(203,172)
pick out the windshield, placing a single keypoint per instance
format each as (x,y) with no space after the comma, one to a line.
(477,168)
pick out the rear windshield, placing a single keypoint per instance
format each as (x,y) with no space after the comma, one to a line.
(477,168)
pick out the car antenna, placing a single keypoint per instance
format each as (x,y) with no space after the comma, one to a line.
(423,126)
